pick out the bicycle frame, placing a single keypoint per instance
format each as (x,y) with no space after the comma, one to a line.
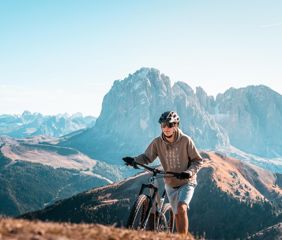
(154,198)
(155,202)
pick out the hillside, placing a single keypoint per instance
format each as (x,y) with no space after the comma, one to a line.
(227,189)
(34,175)
(270,233)
(27,230)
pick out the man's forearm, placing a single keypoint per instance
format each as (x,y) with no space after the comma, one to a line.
(195,166)
(142,158)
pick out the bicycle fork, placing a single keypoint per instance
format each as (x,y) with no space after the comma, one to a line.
(152,199)
(159,209)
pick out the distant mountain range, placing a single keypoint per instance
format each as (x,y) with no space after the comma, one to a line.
(248,119)
(232,200)
(33,124)
(35,173)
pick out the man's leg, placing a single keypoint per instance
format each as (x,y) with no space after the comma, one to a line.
(181,218)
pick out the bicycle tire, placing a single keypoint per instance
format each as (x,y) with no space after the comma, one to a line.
(167,219)
(138,212)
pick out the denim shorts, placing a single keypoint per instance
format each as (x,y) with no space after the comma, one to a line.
(182,194)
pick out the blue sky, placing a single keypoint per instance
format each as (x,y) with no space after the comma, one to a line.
(63,56)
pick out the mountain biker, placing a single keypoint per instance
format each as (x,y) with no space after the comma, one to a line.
(177,153)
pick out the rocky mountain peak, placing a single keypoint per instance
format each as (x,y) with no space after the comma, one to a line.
(132,107)
(129,118)
(245,117)
(183,88)
(207,102)
(150,79)
(26,113)
(252,118)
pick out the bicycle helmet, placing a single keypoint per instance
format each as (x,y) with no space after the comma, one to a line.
(169,117)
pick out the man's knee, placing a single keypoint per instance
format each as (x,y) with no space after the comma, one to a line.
(182,208)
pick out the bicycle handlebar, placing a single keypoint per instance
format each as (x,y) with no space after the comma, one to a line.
(157,171)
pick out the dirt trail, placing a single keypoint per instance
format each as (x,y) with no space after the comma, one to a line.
(11,229)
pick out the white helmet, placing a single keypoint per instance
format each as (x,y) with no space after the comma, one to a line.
(169,117)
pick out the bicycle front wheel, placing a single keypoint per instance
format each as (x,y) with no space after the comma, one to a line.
(138,213)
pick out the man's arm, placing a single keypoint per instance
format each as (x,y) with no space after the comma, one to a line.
(150,154)
(195,159)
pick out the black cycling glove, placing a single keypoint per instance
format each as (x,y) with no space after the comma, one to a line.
(129,161)
(184,175)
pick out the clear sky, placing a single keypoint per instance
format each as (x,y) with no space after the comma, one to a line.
(60,56)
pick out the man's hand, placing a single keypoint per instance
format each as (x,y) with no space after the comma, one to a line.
(184,175)
(129,161)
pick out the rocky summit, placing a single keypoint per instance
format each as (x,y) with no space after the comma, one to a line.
(130,113)
(247,118)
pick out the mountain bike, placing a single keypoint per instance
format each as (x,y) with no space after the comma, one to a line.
(152,204)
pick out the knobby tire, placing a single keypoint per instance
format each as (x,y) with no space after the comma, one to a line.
(138,212)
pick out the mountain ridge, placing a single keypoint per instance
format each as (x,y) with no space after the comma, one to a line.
(30,124)
(226,188)
(129,117)
(33,175)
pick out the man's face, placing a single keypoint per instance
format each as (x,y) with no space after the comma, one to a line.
(168,129)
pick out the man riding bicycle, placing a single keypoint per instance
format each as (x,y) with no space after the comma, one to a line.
(177,153)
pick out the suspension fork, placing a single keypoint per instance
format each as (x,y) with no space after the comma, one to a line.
(152,200)
(159,208)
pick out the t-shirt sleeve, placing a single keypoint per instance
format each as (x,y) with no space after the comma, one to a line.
(149,155)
